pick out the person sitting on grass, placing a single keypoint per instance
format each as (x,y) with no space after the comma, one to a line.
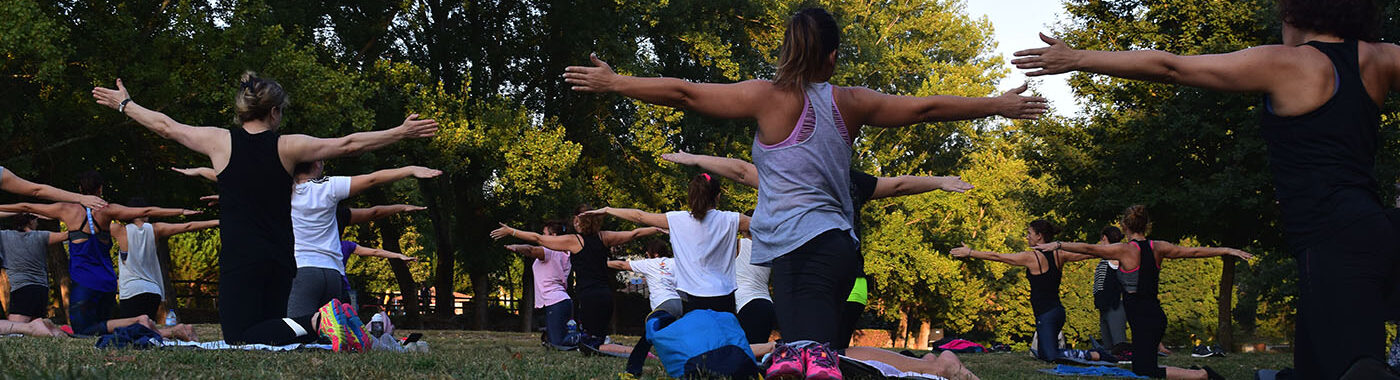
(140,278)
(551,276)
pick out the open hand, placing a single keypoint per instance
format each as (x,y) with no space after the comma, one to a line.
(504,231)
(92,202)
(680,157)
(955,184)
(212,199)
(109,97)
(597,78)
(1013,105)
(601,211)
(1056,58)
(422,172)
(412,127)
(1051,246)
(1246,256)
(961,252)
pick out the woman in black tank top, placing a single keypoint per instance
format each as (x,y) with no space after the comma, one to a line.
(1139,268)
(588,256)
(1322,89)
(254,164)
(1044,275)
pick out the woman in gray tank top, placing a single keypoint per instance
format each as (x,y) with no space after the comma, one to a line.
(803,222)
(24,252)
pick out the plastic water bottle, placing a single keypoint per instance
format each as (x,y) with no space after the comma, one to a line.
(572,327)
(170,318)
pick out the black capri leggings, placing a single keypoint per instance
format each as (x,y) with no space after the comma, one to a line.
(594,309)
(1149,323)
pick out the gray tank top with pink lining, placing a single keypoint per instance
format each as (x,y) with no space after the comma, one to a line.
(804,182)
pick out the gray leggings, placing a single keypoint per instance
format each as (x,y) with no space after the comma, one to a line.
(314,287)
(1113,325)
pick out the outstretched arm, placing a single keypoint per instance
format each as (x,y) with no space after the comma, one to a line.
(1173,251)
(633,215)
(615,238)
(726,101)
(361,250)
(1020,258)
(527,250)
(170,229)
(12,183)
(303,148)
(119,212)
(206,173)
(362,215)
(1107,251)
(50,210)
(881,110)
(360,183)
(567,243)
(1249,70)
(732,168)
(208,141)
(620,265)
(886,187)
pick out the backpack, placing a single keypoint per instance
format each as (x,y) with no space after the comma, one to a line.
(703,343)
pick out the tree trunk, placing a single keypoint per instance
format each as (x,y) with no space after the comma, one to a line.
(481,300)
(925,328)
(58,268)
(901,333)
(445,267)
(389,234)
(1224,331)
(167,284)
(527,296)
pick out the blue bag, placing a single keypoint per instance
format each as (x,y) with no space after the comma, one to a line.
(702,343)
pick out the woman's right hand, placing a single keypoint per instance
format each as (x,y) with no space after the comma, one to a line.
(109,97)
(1013,105)
(955,184)
(412,127)
(680,157)
(598,78)
(422,172)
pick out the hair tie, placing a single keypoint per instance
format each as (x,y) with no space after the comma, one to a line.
(707,176)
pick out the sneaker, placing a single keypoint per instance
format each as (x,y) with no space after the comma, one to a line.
(1204,351)
(786,363)
(822,363)
(331,325)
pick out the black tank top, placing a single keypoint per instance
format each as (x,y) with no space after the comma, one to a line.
(1045,287)
(1323,162)
(590,265)
(255,203)
(1142,283)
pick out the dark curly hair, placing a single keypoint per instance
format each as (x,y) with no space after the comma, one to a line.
(1351,19)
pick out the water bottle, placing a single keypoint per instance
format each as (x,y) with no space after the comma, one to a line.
(572,327)
(170,318)
(376,325)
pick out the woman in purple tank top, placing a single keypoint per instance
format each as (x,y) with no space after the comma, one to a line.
(1323,89)
(803,221)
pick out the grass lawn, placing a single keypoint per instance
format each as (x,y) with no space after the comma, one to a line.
(454,354)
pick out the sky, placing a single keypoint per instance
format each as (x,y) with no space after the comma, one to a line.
(1017,23)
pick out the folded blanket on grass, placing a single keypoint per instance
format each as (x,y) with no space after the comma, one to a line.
(221,345)
(1080,362)
(1100,371)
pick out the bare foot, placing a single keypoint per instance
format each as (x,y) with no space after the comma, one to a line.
(181,332)
(49,327)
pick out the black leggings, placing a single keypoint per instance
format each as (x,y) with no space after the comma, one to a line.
(756,318)
(849,316)
(594,309)
(811,283)
(1149,323)
(1344,288)
(253,303)
(141,304)
(724,303)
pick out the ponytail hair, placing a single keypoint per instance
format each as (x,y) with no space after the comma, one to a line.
(1135,219)
(703,195)
(257,97)
(811,36)
(1046,229)
(587,224)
